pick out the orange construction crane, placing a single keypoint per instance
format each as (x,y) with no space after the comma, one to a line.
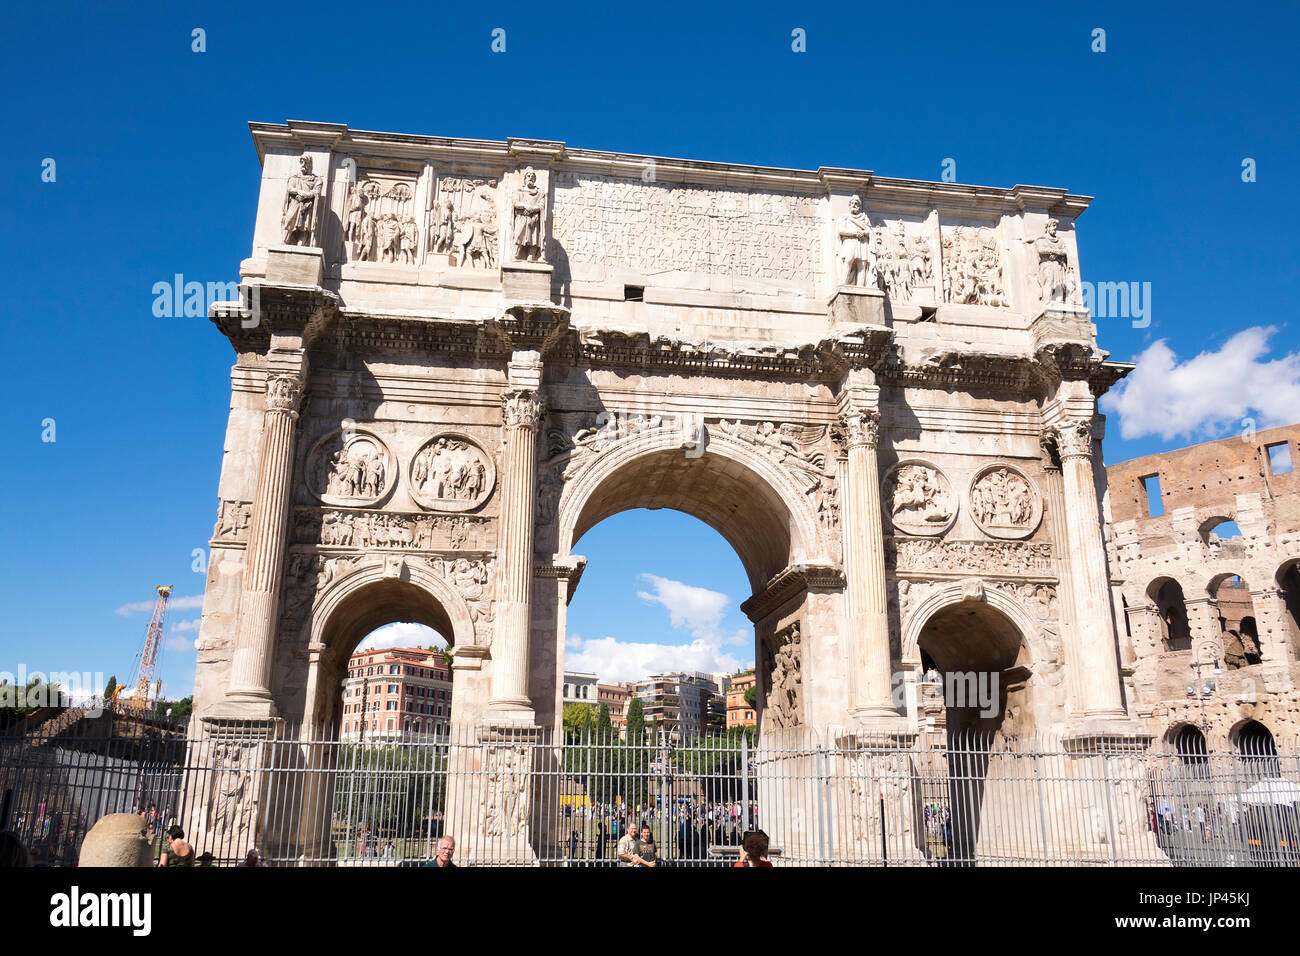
(146,691)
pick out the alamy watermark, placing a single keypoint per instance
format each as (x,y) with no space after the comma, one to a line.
(53,689)
(177,298)
(1119,300)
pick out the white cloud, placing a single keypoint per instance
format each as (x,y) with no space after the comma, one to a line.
(615,660)
(180,644)
(182,626)
(1211,393)
(189,602)
(698,609)
(402,634)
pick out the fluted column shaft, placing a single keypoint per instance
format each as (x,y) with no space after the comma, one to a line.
(864,567)
(254,654)
(1089,581)
(522,411)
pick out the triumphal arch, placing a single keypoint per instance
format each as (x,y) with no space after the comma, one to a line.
(454,357)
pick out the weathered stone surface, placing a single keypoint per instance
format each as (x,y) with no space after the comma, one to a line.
(117,840)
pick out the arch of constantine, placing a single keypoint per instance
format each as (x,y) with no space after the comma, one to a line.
(454,357)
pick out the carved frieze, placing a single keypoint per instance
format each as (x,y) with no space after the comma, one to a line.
(451,473)
(230,801)
(377,530)
(960,558)
(379,223)
(350,467)
(918,499)
(1004,502)
(800,449)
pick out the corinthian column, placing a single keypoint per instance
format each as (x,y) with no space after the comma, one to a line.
(250,673)
(521,411)
(864,568)
(1089,582)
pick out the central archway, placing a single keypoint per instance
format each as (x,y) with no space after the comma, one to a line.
(765,512)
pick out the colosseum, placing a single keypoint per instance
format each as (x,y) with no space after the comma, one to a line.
(1205,559)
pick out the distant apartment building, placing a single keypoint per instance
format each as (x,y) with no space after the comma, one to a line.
(741,713)
(615,697)
(396,693)
(677,703)
(580,689)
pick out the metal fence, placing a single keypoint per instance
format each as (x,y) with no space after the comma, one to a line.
(530,797)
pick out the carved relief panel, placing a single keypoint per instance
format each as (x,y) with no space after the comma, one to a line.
(918,499)
(972,266)
(1004,503)
(451,472)
(350,467)
(464,223)
(379,219)
(783,659)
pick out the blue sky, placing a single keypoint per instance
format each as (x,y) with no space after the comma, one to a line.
(156,175)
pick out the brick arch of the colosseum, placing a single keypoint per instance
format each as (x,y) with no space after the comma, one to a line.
(739,491)
(361,601)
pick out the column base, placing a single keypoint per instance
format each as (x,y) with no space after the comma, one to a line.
(243,706)
(514,713)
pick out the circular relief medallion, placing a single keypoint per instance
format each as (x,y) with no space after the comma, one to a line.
(918,498)
(451,472)
(1004,502)
(350,467)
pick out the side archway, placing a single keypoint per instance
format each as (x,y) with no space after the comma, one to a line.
(363,600)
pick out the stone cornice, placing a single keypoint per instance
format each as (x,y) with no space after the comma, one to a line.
(789,584)
(271,309)
(297,133)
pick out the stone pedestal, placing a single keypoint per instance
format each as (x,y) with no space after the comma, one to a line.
(225,803)
(1108,791)
(493,798)
(295,265)
(857,305)
(882,823)
(528,282)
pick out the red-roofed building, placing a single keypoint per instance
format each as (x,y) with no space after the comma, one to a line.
(395,693)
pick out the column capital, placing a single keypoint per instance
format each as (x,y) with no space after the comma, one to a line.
(283,393)
(860,427)
(522,408)
(1073,438)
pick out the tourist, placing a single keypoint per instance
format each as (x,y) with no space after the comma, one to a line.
(13,852)
(253,859)
(645,853)
(442,859)
(178,852)
(627,846)
(753,850)
(206,859)
(600,839)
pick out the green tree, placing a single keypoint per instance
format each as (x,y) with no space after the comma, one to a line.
(604,727)
(751,696)
(635,721)
(110,687)
(578,721)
